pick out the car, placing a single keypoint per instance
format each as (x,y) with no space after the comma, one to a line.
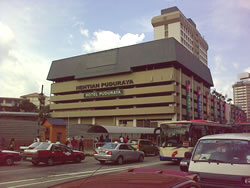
(145,145)
(31,146)
(136,178)
(9,157)
(221,160)
(51,153)
(117,152)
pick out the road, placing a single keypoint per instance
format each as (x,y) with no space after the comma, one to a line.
(24,174)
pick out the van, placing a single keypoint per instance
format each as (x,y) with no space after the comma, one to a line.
(221,160)
(144,145)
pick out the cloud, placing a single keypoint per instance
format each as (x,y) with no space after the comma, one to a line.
(21,73)
(244,4)
(219,66)
(247,70)
(84,32)
(236,65)
(223,85)
(103,40)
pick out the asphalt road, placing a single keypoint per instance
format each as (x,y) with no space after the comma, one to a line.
(24,174)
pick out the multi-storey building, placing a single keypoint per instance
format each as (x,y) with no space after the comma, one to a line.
(172,23)
(241,93)
(137,85)
(9,103)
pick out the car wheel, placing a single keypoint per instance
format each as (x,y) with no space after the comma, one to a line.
(50,162)
(102,162)
(78,159)
(141,158)
(35,163)
(120,160)
(9,161)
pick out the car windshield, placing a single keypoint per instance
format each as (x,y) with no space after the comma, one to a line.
(175,135)
(225,151)
(43,146)
(35,144)
(110,146)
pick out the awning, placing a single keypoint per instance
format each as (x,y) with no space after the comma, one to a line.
(120,130)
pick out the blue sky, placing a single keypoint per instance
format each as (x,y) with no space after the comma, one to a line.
(34,33)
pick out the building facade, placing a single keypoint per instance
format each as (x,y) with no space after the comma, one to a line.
(172,23)
(9,103)
(241,93)
(34,98)
(139,86)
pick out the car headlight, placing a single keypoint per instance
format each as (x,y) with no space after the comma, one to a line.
(246,180)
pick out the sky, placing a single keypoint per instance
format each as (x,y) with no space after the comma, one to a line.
(35,33)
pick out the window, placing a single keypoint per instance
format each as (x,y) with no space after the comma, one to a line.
(123,147)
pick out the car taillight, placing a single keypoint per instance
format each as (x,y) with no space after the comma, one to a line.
(138,147)
(109,152)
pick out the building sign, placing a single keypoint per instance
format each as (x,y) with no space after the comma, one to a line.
(188,88)
(208,108)
(199,102)
(103,93)
(105,85)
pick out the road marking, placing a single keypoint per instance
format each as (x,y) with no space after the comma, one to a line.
(77,174)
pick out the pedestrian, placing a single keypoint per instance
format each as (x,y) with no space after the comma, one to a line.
(12,144)
(128,138)
(107,139)
(101,139)
(74,143)
(81,144)
(125,139)
(68,143)
(121,139)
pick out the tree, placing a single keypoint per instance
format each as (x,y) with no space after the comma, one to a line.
(27,106)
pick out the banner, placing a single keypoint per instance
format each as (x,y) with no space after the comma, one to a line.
(215,109)
(208,108)
(199,102)
(188,99)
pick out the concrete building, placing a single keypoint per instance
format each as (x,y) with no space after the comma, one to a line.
(172,23)
(139,85)
(241,93)
(34,98)
(9,103)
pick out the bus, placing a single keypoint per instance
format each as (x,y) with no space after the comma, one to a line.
(174,138)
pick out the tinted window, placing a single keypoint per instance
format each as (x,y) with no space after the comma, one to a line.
(133,141)
(123,147)
(110,146)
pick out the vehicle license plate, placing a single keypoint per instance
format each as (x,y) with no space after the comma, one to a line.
(28,158)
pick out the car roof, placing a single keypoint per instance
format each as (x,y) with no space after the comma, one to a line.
(231,136)
(131,178)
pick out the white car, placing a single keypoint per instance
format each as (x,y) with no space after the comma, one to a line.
(222,160)
(31,146)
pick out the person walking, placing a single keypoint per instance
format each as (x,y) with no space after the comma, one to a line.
(74,143)
(121,139)
(12,144)
(81,144)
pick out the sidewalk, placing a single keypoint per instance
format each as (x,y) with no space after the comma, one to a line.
(89,153)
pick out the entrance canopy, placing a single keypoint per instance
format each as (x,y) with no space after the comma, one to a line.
(120,130)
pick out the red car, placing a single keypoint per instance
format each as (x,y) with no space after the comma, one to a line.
(135,178)
(51,153)
(8,157)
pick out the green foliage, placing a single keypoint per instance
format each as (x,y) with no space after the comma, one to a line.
(27,106)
